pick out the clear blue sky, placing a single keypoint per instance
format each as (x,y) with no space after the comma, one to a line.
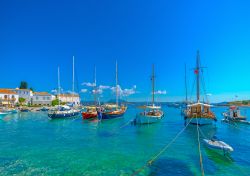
(37,36)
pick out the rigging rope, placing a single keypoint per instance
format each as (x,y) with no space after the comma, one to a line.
(199,148)
(192,90)
(150,162)
(204,85)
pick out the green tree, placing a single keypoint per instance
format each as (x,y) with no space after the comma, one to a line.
(245,102)
(21,100)
(55,102)
(31,89)
(23,85)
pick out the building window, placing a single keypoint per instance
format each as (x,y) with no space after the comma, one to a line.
(36,98)
(5,96)
(43,98)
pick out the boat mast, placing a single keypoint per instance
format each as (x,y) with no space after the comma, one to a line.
(59,86)
(153,85)
(197,71)
(73,83)
(116,85)
(186,83)
(95,87)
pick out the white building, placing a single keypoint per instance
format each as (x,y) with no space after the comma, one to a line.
(24,93)
(41,98)
(8,97)
(70,98)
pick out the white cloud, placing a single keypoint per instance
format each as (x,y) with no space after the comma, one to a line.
(104,87)
(124,92)
(161,92)
(84,90)
(55,91)
(88,84)
(97,91)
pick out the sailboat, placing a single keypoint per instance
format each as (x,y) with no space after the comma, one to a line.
(63,111)
(111,111)
(91,111)
(199,112)
(151,113)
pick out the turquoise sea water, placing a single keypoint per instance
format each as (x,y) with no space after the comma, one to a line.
(30,144)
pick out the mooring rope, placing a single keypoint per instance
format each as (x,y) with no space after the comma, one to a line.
(120,127)
(150,162)
(199,149)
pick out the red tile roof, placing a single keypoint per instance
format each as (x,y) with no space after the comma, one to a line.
(7,91)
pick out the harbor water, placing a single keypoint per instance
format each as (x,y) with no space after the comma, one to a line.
(31,144)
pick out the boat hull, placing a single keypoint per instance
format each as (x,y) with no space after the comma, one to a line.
(13,111)
(86,115)
(223,147)
(200,121)
(63,115)
(3,113)
(105,116)
(142,119)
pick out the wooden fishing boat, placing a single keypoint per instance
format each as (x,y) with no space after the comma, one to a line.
(111,111)
(199,113)
(90,112)
(234,114)
(151,113)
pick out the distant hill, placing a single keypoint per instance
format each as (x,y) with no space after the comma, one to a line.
(240,103)
(221,104)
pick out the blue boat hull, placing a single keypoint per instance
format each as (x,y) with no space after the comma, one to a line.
(63,116)
(200,121)
(104,116)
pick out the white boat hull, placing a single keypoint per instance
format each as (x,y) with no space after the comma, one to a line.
(219,146)
(3,113)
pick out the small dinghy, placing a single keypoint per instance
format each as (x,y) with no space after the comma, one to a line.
(218,145)
(3,113)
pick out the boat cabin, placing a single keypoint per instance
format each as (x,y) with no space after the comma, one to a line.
(199,110)
(234,113)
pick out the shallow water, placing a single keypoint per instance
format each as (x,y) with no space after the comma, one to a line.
(31,144)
